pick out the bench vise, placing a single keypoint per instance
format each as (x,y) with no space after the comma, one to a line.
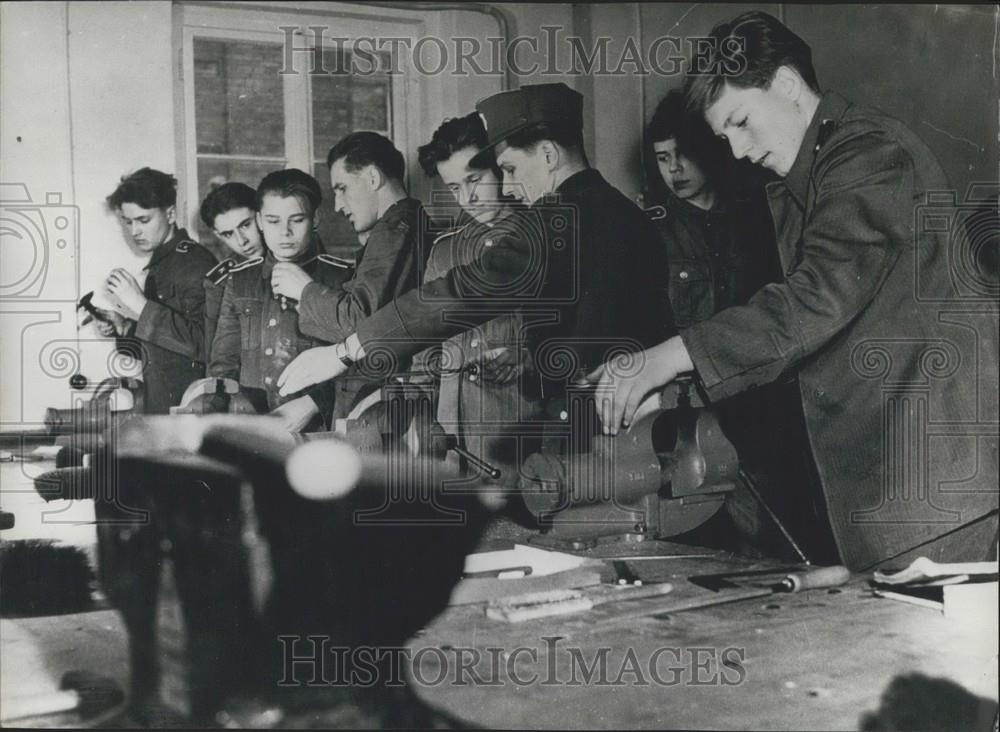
(667,474)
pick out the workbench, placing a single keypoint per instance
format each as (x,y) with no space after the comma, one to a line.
(820,659)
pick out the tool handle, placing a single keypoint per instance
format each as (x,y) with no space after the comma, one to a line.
(815,579)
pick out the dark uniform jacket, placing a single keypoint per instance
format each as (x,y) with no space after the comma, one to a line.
(481,414)
(585,266)
(255,339)
(169,336)
(388,265)
(718,258)
(215,285)
(896,361)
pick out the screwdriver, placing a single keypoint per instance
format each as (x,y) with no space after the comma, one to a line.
(814,579)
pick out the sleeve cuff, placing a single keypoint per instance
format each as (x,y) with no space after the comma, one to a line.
(703,366)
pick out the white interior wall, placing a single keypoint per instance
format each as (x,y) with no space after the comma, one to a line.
(86,95)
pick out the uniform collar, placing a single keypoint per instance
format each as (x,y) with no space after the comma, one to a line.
(166,248)
(831,106)
(305,258)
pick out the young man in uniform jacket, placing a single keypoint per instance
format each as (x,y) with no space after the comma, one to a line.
(582,262)
(714,222)
(230,211)
(483,391)
(366,173)
(258,331)
(719,239)
(887,349)
(162,321)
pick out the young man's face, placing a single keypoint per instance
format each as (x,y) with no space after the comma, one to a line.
(147,227)
(354,195)
(287,226)
(760,124)
(477,191)
(680,173)
(237,229)
(526,174)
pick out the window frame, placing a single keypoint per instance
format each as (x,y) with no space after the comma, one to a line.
(261,23)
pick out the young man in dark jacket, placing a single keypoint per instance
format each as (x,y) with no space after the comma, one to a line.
(230,211)
(258,332)
(366,173)
(887,349)
(162,321)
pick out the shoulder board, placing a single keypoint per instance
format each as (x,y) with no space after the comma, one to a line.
(655,213)
(333,261)
(450,232)
(184,246)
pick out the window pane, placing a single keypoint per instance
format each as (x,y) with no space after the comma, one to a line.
(239,105)
(343,102)
(339,237)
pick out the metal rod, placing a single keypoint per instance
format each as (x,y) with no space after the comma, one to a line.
(752,487)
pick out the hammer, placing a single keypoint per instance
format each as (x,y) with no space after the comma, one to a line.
(92,312)
(82,692)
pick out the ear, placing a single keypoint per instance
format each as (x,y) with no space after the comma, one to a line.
(171,212)
(375,177)
(788,82)
(259,220)
(315,218)
(550,154)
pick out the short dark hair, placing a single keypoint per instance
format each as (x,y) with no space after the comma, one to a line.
(457,133)
(291,183)
(760,44)
(569,136)
(672,120)
(359,149)
(225,198)
(145,187)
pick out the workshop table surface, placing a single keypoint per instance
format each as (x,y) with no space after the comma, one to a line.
(820,659)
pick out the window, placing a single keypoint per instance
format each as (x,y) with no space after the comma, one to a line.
(243,119)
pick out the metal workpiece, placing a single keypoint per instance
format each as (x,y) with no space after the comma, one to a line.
(667,474)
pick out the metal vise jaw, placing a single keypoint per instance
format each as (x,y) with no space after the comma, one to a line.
(666,475)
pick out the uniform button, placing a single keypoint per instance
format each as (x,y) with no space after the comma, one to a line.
(819,393)
(268,380)
(272,322)
(268,351)
(683,275)
(488,243)
(474,343)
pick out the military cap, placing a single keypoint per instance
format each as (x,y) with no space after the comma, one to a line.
(509,112)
